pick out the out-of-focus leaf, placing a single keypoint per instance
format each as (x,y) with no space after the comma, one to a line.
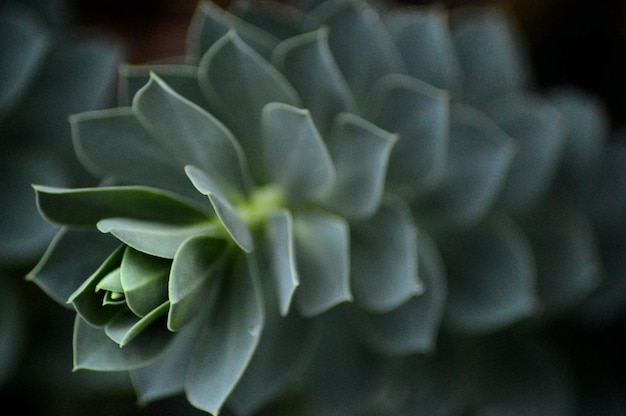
(279,19)
(491,276)
(195,279)
(383,258)
(293,152)
(322,255)
(227,344)
(360,153)
(94,350)
(238,83)
(86,206)
(490,52)
(306,61)
(479,156)
(282,257)
(12,331)
(360,43)
(144,280)
(413,326)
(537,129)
(420,115)
(423,38)
(192,135)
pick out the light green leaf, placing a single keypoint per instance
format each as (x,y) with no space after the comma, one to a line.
(94,350)
(538,131)
(144,281)
(295,156)
(155,238)
(238,83)
(413,327)
(210,22)
(306,61)
(113,142)
(360,152)
(383,258)
(322,255)
(227,344)
(233,223)
(61,271)
(282,257)
(490,51)
(126,326)
(491,276)
(360,43)
(479,156)
(195,279)
(192,135)
(420,115)
(423,38)
(87,206)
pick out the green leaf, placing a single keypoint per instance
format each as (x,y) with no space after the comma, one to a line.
(491,276)
(479,156)
(307,63)
(279,19)
(195,279)
(94,350)
(412,327)
(126,326)
(210,22)
(61,271)
(87,206)
(360,152)
(282,257)
(155,238)
(88,301)
(360,43)
(490,51)
(423,38)
(295,156)
(113,142)
(537,129)
(227,344)
(238,83)
(192,135)
(322,255)
(383,258)
(232,222)
(144,281)
(420,115)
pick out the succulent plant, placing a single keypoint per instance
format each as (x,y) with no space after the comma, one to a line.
(317,195)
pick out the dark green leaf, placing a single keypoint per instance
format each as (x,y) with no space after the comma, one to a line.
(126,326)
(233,223)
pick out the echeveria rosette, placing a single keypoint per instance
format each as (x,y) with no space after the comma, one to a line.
(208,220)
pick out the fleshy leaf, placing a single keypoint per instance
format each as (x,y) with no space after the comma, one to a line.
(383,258)
(420,115)
(306,61)
(295,156)
(282,256)
(155,238)
(423,38)
(479,156)
(537,129)
(144,280)
(490,52)
(194,280)
(113,142)
(238,83)
(233,223)
(192,135)
(87,206)
(360,152)
(227,344)
(279,19)
(94,350)
(126,326)
(211,22)
(413,326)
(322,255)
(491,276)
(360,43)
